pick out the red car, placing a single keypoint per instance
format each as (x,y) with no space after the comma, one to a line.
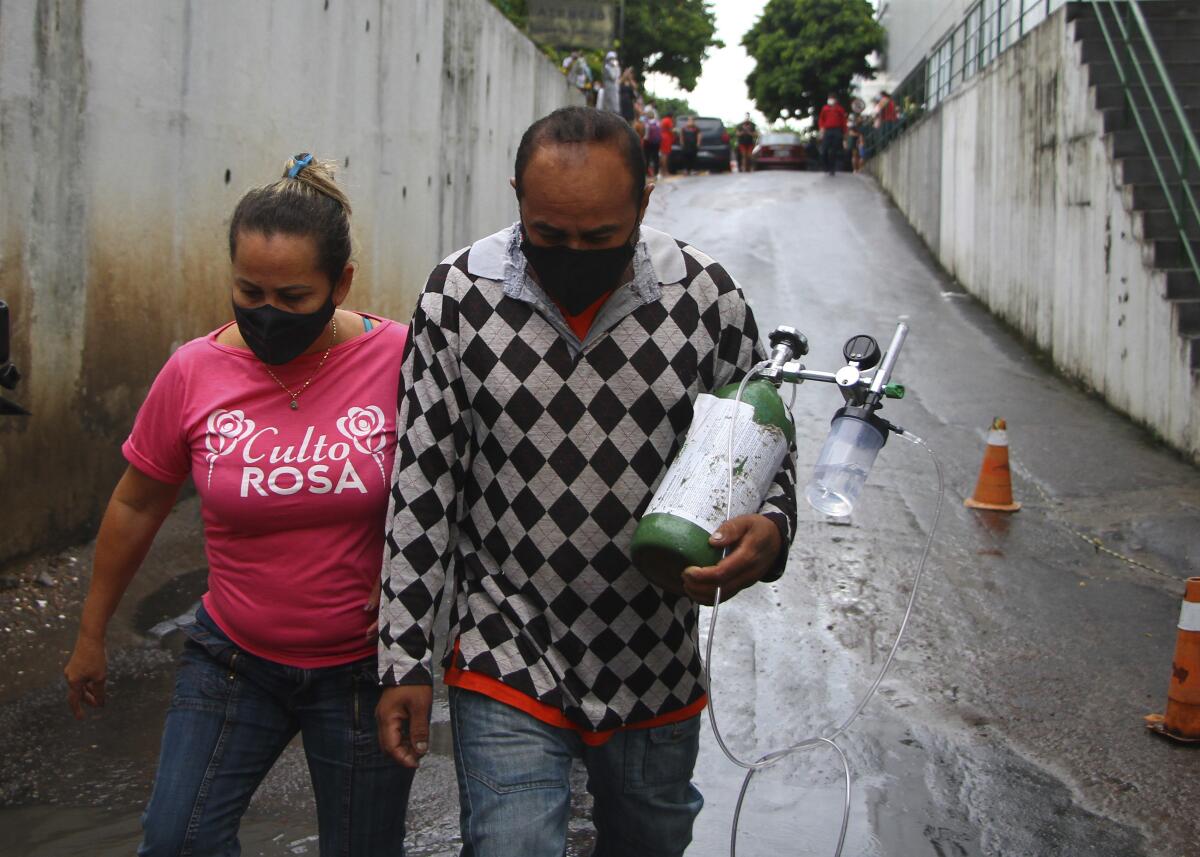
(779,150)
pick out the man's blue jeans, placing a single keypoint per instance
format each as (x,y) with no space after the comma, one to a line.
(514,787)
(231,716)
(831,149)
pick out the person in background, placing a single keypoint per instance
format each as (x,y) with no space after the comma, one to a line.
(689,138)
(668,140)
(284,418)
(747,136)
(888,116)
(855,140)
(651,141)
(629,96)
(579,74)
(831,124)
(552,374)
(610,95)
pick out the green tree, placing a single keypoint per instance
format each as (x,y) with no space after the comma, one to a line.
(664,105)
(671,37)
(806,49)
(515,10)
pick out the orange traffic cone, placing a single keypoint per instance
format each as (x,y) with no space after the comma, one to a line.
(1182,720)
(994,489)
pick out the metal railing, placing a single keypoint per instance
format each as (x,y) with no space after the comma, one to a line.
(1139,66)
(988,28)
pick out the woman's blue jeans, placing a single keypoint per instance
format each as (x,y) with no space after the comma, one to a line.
(515,792)
(231,716)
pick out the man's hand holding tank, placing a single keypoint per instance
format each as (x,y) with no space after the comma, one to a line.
(753,543)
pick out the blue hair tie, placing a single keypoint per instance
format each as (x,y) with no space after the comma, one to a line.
(298,163)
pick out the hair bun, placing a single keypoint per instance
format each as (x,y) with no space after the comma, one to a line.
(296,164)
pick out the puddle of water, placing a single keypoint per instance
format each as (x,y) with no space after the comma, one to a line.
(53,831)
(172,599)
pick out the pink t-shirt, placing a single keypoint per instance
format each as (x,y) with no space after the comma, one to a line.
(293,501)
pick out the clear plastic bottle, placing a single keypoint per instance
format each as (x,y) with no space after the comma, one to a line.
(845,460)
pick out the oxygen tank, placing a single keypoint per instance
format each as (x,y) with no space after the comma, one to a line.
(690,502)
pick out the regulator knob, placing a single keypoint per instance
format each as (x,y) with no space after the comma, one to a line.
(792,338)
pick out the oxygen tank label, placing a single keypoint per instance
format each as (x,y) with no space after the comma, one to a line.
(697,482)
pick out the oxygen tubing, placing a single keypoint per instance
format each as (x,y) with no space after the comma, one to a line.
(830,733)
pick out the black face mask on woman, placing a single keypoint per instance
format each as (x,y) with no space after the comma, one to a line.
(576,279)
(276,336)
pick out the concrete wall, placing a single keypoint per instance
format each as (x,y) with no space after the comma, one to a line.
(130,128)
(1031,219)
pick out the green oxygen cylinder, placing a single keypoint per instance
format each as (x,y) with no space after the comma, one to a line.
(690,502)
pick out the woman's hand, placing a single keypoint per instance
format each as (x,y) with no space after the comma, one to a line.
(136,511)
(372,606)
(86,673)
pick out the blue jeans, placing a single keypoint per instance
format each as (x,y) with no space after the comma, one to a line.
(231,716)
(514,783)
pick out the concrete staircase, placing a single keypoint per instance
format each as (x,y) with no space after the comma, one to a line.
(1175,28)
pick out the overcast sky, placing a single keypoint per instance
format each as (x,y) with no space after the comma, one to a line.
(721,90)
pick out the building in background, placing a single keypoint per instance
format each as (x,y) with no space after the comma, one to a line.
(933,46)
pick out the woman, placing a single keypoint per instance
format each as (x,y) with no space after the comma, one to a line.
(651,141)
(285,420)
(855,140)
(629,95)
(668,140)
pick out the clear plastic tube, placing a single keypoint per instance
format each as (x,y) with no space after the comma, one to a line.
(830,734)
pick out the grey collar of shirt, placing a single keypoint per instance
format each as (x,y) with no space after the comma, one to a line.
(657,261)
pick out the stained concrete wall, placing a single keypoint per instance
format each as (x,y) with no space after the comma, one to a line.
(1011,183)
(130,128)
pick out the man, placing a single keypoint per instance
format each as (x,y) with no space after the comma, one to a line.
(689,138)
(549,378)
(832,125)
(610,95)
(747,136)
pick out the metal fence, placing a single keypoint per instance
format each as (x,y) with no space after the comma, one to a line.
(988,28)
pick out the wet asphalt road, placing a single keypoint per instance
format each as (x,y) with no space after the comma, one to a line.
(1011,721)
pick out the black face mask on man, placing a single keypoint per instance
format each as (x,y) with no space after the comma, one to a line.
(276,336)
(576,279)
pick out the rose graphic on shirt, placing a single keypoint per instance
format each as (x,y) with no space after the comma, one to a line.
(366,429)
(225,430)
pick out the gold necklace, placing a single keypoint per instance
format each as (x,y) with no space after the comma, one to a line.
(295,405)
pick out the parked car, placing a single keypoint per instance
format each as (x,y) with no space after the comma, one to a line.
(714,153)
(779,149)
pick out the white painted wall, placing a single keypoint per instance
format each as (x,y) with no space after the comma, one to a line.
(119,122)
(1012,185)
(914,27)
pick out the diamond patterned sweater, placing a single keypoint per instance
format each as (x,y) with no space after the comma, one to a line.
(527,457)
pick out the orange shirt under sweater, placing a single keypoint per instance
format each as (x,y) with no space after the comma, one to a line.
(499,691)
